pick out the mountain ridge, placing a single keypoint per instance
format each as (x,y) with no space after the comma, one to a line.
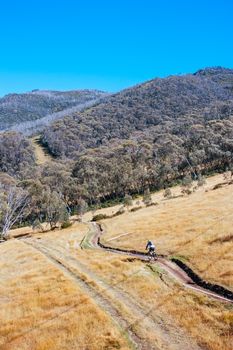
(17,108)
(154,103)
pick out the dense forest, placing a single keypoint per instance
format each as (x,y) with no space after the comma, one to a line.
(145,137)
(149,134)
(160,105)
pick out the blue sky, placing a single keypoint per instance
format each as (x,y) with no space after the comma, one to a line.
(109,45)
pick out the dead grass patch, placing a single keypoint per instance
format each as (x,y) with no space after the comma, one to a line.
(42,309)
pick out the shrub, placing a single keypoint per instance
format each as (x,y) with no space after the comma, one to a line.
(135,208)
(151,204)
(99,217)
(201,181)
(119,212)
(147,197)
(167,193)
(128,201)
(66,224)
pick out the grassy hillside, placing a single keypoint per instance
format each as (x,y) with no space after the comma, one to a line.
(196,228)
(43,308)
(158,312)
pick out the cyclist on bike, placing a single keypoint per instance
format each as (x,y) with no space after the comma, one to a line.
(150,247)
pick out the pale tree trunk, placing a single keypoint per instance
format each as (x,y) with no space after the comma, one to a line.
(13,209)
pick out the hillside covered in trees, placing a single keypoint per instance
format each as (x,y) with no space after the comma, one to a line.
(145,137)
(149,134)
(159,106)
(30,106)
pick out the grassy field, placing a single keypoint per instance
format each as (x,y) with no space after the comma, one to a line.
(160,310)
(197,228)
(43,308)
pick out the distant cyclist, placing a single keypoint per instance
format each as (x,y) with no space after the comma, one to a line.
(151,249)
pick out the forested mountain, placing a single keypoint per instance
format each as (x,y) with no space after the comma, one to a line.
(165,106)
(16,153)
(145,137)
(18,108)
(149,135)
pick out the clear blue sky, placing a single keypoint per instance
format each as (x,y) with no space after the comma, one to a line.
(109,45)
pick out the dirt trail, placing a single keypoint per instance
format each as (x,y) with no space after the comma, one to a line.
(118,303)
(173,269)
(135,320)
(41,155)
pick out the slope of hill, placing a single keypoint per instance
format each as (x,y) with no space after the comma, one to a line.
(168,103)
(145,137)
(16,153)
(18,108)
(149,134)
(196,228)
(43,307)
(145,303)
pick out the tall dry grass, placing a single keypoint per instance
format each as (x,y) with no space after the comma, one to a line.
(197,228)
(181,313)
(42,309)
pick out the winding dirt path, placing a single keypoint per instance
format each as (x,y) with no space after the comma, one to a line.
(172,268)
(133,319)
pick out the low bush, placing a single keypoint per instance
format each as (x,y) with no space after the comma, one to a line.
(151,204)
(66,224)
(99,217)
(135,208)
(119,212)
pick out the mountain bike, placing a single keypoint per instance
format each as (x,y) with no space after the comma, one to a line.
(152,255)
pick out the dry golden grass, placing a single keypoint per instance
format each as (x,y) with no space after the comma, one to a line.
(197,227)
(208,322)
(76,227)
(157,197)
(42,309)
(200,318)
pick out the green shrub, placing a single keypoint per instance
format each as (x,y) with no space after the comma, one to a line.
(66,224)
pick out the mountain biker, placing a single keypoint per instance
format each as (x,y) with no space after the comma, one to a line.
(150,247)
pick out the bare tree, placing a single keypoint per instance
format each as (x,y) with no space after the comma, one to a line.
(13,207)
